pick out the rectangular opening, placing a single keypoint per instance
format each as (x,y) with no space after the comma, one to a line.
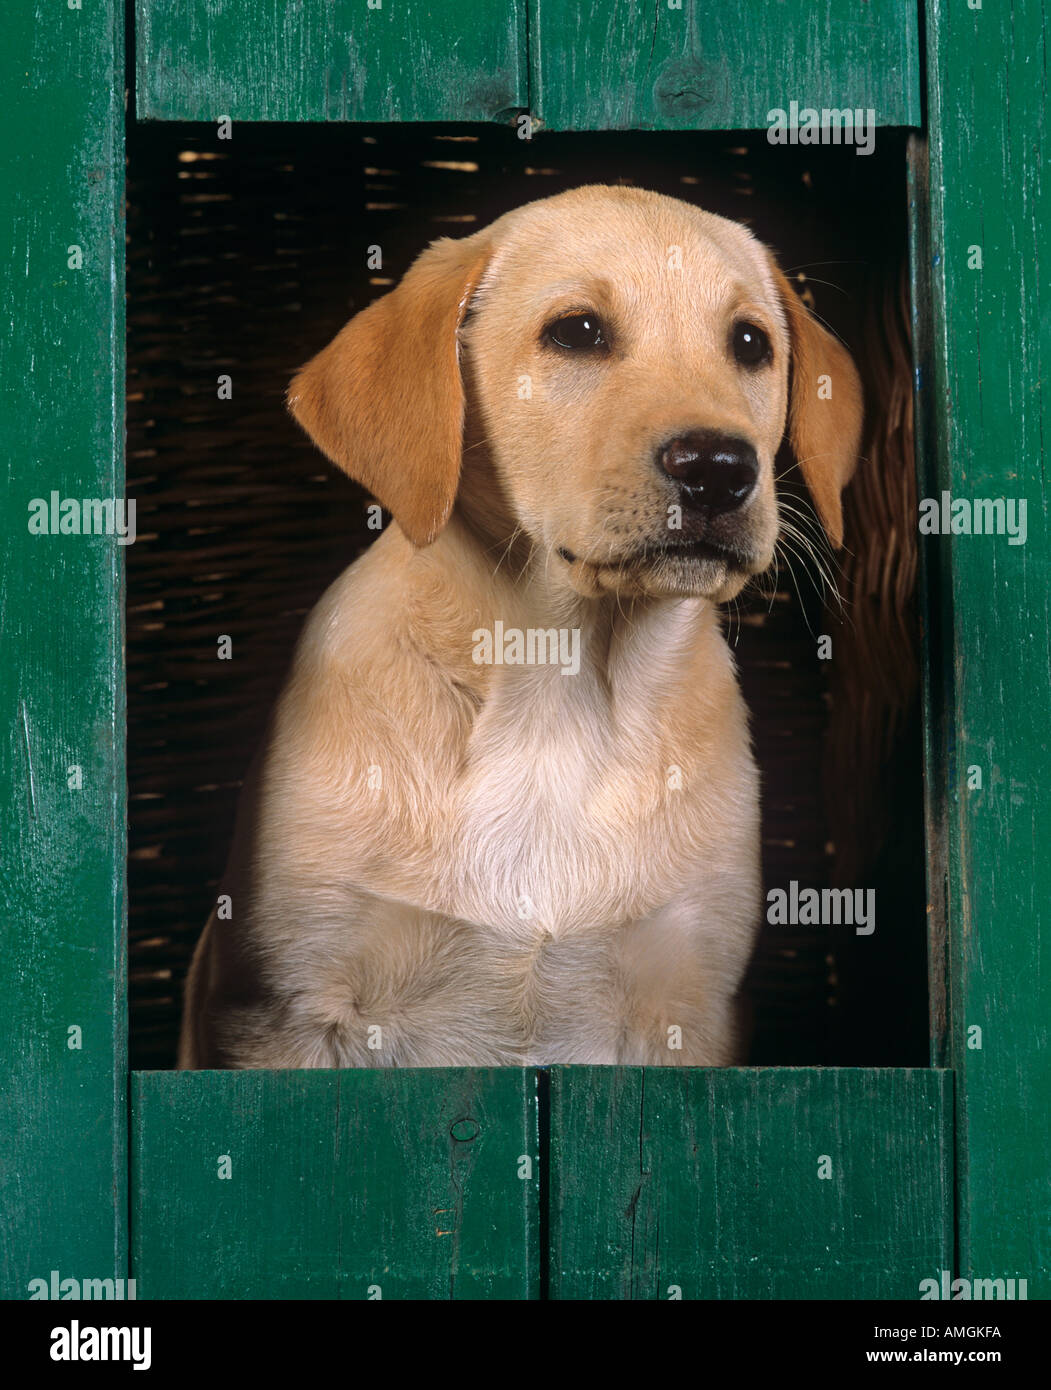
(244,258)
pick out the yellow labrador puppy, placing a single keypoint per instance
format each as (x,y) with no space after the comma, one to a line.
(507,813)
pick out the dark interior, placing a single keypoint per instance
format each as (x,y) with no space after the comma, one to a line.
(244,258)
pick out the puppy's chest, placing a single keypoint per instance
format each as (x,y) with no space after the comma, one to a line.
(563,823)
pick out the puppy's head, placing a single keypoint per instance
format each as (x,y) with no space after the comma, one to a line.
(630,364)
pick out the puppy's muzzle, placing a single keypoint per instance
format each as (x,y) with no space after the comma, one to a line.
(715,473)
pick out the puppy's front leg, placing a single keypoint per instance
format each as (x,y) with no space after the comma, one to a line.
(681,977)
(701,1037)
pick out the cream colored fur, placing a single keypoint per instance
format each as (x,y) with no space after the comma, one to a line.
(442,863)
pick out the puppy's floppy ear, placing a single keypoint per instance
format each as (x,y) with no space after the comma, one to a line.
(825,410)
(385,400)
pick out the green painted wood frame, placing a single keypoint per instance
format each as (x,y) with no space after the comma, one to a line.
(751,1183)
(983,401)
(63,1183)
(705,65)
(345,60)
(699,65)
(63,1126)
(326,1184)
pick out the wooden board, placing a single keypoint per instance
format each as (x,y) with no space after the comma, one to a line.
(622,65)
(354,1184)
(987,100)
(936,620)
(340,60)
(669,1182)
(613,66)
(62,1099)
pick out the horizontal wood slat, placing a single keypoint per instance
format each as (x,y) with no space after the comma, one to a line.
(353,1184)
(717,66)
(669,1182)
(612,66)
(328,60)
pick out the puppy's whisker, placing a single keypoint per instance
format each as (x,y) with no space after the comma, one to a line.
(518,531)
(812,564)
(735,620)
(823,560)
(814,280)
(788,550)
(791,269)
(788,553)
(815,544)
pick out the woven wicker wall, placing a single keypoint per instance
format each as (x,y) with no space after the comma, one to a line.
(244,258)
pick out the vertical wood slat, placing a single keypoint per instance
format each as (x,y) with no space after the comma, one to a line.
(987,101)
(62,1107)
(812,1183)
(351,1185)
(936,625)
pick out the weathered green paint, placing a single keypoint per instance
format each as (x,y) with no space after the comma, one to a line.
(617,65)
(936,624)
(987,101)
(714,66)
(703,1180)
(62,1109)
(340,1182)
(337,60)
(708,1182)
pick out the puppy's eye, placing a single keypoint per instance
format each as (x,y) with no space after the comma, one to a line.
(751,346)
(578,333)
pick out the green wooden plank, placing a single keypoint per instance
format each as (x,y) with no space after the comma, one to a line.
(935,627)
(341,60)
(352,1184)
(62,1098)
(987,98)
(675,1182)
(715,66)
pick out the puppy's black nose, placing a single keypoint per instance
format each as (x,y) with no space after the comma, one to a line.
(714,471)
